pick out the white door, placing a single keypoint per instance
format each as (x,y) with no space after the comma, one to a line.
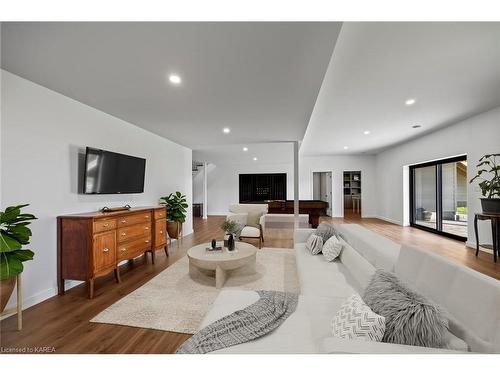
(322,189)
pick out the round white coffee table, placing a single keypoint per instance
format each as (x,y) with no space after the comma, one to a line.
(202,260)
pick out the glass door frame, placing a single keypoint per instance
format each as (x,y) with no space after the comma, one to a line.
(439,196)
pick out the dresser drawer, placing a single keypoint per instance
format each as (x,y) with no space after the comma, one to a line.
(104,225)
(133,248)
(160,232)
(134,219)
(134,231)
(160,213)
(104,251)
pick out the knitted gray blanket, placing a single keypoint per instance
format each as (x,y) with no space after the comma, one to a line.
(252,322)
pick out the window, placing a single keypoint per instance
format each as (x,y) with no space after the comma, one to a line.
(438,197)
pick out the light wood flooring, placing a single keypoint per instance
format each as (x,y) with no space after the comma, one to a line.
(62,322)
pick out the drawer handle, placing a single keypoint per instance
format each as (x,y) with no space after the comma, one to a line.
(146,227)
(146,217)
(147,241)
(161,232)
(123,249)
(105,250)
(105,225)
(124,234)
(123,221)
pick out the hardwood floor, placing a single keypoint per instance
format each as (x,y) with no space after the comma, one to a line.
(62,322)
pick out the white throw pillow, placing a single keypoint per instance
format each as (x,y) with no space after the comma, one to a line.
(314,244)
(355,320)
(332,248)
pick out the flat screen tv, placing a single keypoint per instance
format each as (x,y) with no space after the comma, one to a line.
(108,172)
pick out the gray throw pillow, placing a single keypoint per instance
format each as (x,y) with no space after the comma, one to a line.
(314,244)
(410,318)
(325,231)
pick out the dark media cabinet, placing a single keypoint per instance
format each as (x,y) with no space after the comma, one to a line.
(92,244)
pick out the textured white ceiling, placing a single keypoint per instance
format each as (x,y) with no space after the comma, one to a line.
(259,79)
(451,69)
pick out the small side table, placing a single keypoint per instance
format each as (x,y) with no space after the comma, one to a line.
(495,232)
(19,308)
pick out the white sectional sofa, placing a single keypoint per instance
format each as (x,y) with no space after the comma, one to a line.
(471,299)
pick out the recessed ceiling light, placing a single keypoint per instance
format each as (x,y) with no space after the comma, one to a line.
(366,132)
(410,101)
(226,130)
(254,159)
(345,147)
(245,148)
(174,79)
(416,126)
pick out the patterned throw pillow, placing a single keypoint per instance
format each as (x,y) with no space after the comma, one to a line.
(411,319)
(355,320)
(314,244)
(332,248)
(325,231)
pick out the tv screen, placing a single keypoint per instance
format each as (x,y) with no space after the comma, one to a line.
(108,172)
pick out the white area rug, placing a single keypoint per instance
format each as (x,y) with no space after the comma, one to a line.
(172,301)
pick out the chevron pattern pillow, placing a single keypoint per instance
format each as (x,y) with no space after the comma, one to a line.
(355,320)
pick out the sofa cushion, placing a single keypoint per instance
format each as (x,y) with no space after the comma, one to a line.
(358,267)
(250,232)
(317,277)
(325,231)
(314,244)
(293,336)
(356,320)
(477,321)
(380,251)
(332,248)
(411,319)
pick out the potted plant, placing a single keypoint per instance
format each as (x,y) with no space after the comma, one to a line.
(14,233)
(488,174)
(230,227)
(176,205)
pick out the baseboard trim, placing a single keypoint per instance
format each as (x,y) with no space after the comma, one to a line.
(384,219)
(472,245)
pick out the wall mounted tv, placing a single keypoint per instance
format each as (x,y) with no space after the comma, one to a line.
(108,172)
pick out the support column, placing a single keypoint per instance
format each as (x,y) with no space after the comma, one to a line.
(296,183)
(205,191)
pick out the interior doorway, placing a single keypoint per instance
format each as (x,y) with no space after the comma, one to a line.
(352,194)
(322,189)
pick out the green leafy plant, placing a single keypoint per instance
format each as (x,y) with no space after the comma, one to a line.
(229,226)
(490,187)
(176,205)
(14,233)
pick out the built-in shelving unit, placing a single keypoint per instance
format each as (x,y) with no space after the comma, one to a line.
(352,187)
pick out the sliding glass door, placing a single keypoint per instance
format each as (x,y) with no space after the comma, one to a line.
(438,197)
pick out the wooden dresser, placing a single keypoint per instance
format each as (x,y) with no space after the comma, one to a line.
(92,244)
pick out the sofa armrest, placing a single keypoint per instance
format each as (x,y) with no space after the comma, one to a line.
(338,345)
(240,218)
(301,235)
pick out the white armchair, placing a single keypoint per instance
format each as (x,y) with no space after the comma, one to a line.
(251,216)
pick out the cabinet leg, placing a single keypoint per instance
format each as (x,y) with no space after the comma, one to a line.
(91,288)
(117,274)
(166,250)
(153,256)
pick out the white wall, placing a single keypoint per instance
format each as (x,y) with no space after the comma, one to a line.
(339,164)
(223,182)
(42,134)
(475,137)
